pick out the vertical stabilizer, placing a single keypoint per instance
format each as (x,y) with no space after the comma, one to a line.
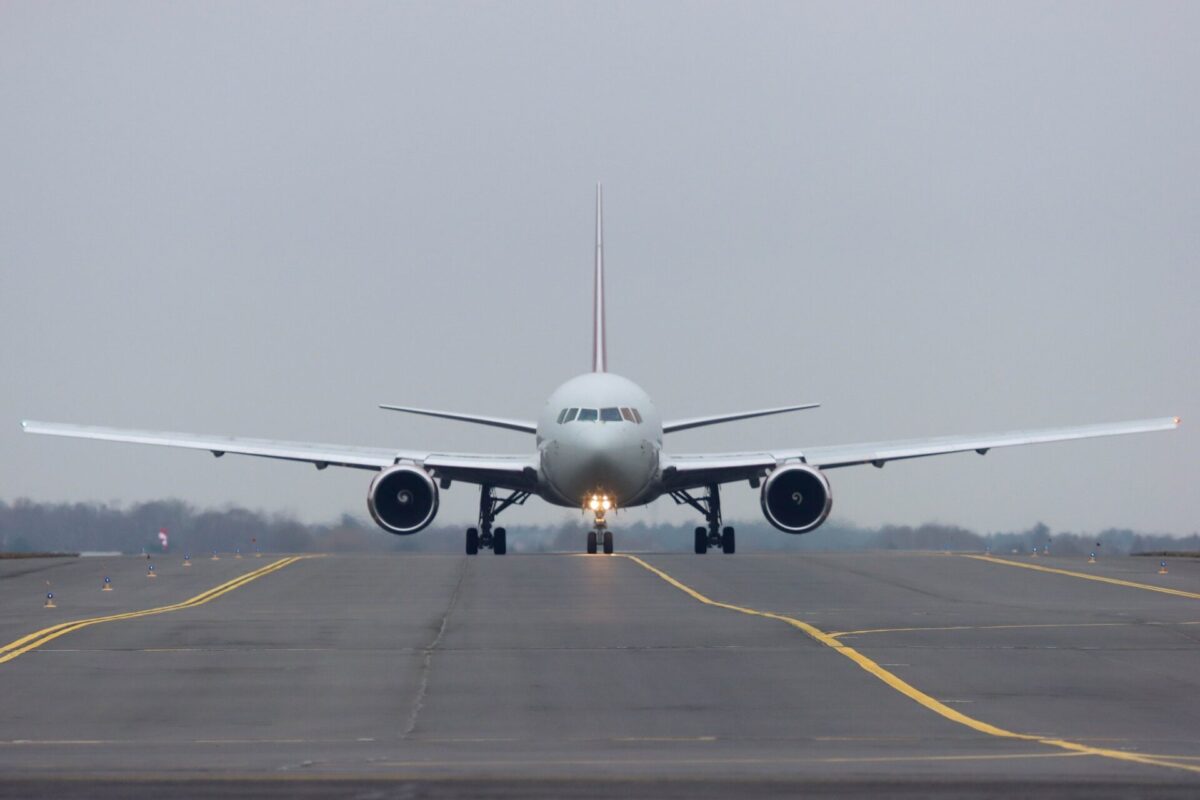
(599,345)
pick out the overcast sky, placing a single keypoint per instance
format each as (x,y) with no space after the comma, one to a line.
(264,219)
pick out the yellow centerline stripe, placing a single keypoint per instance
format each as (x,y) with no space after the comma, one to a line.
(1102,579)
(864,632)
(910,691)
(36,639)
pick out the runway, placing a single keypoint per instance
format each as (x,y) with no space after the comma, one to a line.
(564,675)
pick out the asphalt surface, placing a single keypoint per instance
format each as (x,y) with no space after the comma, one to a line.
(564,675)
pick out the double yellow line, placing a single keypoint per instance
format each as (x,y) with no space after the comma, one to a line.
(911,692)
(1071,573)
(35,640)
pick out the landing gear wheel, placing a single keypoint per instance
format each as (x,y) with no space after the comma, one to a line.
(494,539)
(591,543)
(608,543)
(728,542)
(701,541)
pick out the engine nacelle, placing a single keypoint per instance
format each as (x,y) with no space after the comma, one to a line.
(796,498)
(403,499)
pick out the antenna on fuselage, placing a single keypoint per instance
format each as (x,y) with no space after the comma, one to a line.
(599,345)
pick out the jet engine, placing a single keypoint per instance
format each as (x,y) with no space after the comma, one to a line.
(796,498)
(403,499)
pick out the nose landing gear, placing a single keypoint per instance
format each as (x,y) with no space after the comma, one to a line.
(710,506)
(600,537)
(489,507)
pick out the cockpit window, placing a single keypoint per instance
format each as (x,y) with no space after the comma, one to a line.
(613,414)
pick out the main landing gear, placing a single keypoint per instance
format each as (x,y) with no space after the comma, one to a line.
(489,507)
(710,506)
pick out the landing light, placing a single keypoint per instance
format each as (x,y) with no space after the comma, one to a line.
(599,503)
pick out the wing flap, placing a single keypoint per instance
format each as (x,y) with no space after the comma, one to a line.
(691,471)
(505,472)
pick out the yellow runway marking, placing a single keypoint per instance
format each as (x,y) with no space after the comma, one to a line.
(38,638)
(910,691)
(976,757)
(866,631)
(1102,579)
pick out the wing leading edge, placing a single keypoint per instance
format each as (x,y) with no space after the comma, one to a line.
(697,470)
(500,470)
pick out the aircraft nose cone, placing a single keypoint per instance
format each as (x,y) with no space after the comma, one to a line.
(602,460)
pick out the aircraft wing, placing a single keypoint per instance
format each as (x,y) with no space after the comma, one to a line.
(518,472)
(681,472)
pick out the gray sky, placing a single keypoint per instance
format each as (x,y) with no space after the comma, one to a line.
(264,219)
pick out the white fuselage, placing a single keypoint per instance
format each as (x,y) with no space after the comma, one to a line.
(608,445)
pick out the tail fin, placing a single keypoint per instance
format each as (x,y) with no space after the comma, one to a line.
(599,344)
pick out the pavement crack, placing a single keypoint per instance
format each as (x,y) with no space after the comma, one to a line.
(427,661)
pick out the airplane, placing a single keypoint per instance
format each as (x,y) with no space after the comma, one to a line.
(599,447)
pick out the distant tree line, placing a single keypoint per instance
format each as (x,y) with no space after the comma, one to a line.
(26,526)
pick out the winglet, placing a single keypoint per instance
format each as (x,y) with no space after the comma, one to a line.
(599,344)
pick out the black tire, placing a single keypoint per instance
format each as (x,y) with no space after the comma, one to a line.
(500,541)
(728,542)
(591,543)
(701,541)
(472,541)
(608,543)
